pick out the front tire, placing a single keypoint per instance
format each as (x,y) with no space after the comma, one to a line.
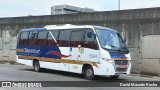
(36,66)
(89,73)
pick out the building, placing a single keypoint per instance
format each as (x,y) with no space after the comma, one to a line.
(67,9)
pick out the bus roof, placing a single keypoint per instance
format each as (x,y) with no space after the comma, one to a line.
(66,26)
(70,26)
(100,27)
(33,29)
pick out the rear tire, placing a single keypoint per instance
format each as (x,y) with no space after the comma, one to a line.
(36,66)
(89,73)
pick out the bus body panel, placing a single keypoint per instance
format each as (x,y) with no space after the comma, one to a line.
(26,62)
(50,65)
(75,68)
(72,59)
(90,55)
(75,53)
(64,66)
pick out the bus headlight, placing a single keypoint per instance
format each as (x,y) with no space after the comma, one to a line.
(108,60)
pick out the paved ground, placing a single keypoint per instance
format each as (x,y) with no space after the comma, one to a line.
(26,73)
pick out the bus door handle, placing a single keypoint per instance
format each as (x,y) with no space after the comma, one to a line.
(78,56)
(82,50)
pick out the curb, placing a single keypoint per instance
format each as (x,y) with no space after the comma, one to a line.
(144,75)
(10,62)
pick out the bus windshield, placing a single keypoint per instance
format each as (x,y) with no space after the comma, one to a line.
(111,40)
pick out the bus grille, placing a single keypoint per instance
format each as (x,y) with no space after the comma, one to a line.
(121,62)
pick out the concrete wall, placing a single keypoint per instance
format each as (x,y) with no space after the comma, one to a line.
(7,46)
(133,23)
(150,54)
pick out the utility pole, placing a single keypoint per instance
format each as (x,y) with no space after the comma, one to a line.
(119,5)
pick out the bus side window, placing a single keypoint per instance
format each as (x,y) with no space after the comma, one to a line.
(52,38)
(23,40)
(76,38)
(42,35)
(64,38)
(33,38)
(90,42)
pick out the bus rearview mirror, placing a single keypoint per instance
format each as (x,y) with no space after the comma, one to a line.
(89,35)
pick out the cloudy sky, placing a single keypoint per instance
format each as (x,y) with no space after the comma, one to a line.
(14,8)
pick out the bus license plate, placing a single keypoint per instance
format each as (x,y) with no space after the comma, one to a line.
(122,66)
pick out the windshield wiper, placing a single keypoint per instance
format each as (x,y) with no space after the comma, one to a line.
(120,50)
(115,47)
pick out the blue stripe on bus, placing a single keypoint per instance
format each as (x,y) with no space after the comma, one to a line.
(39,51)
(116,55)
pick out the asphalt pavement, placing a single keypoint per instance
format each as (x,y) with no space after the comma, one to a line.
(26,73)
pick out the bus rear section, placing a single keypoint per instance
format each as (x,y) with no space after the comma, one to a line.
(89,50)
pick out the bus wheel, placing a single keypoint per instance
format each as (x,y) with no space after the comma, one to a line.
(114,76)
(89,73)
(36,66)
